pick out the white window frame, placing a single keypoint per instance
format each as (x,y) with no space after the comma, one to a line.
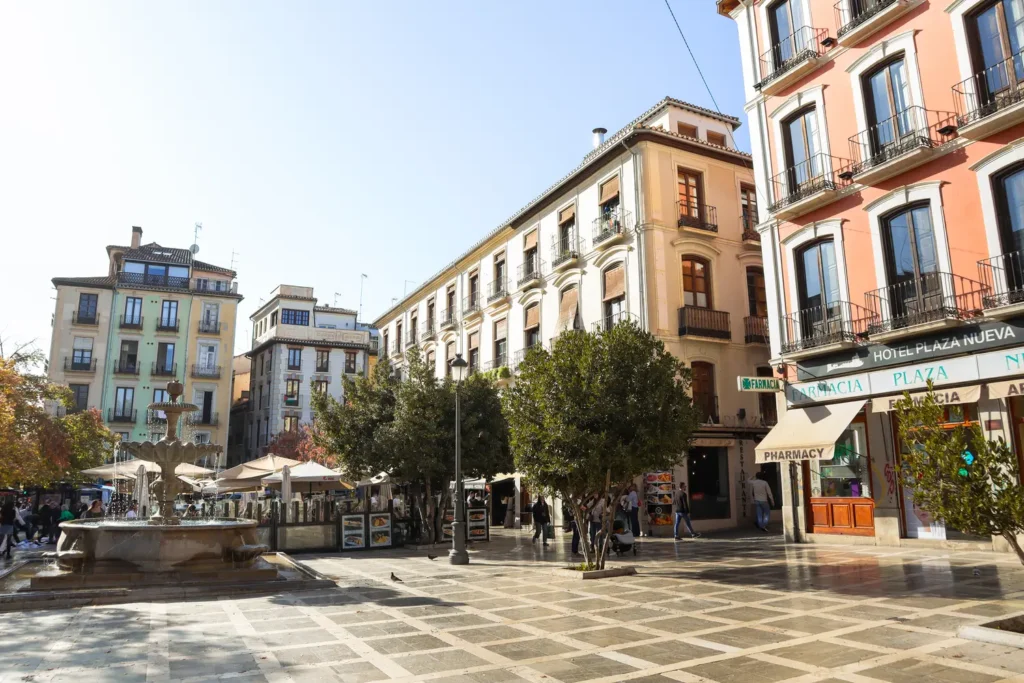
(990,166)
(958,11)
(881,51)
(812,232)
(796,102)
(766,27)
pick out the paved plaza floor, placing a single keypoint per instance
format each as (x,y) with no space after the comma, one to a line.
(741,609)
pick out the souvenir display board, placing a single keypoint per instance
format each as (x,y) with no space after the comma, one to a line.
(659,489)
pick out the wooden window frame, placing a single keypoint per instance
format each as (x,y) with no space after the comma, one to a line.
(289,361)
(974,42)
(699,184)
(787,138)
(707,280)
(752,299)
(801,275)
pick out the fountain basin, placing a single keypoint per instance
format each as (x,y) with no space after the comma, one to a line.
(190,544)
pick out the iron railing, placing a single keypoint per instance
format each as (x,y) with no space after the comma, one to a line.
(123,367)
(164,369)
(755,329)
(833,323)
(165,325)
(610,321)
(374,345)
(156,417)
(77,318)
(198,418)
(291,400)
(520,355)
(207,327)
(130,322)
(983,94)
(499,361)
(222,286)
(206,371)
(447,319)
(929,297)
(610,224)
(748,224)
(790,52)
(471,304)
(71,365)
(529,271)
(496,290)
(695,215)
(853,13)
(427,330)
(1003,277)
(704,322)
(912,129)
(564,248)
(121,416)
(706,406)
(817,173)
(144,280)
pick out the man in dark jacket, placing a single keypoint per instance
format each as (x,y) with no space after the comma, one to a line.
(541,518)
(45,520)
(683,512)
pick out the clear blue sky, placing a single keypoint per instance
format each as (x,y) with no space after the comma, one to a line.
(319,140)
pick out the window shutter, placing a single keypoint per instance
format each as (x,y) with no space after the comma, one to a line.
(474,340)
(567,214)
(449,351)
(567,309)
(500,329)
(530,241)
(83,343)
(614,282)
(609,191)
(532,317)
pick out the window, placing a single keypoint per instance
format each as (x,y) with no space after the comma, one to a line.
(273,319)
(766,401)
(608,196)
(160,396)
(398,337)
(451,308)
(350,362)
(413,326)
(703,385)
(169,314)
(689,195)
(569,310)
(79,397)
(208,358)
(910,260)
(263,365)
(474,289)
(319,386)
(291,423)
(81,358)
(201,438)
(474,351)
(696,282)
(1009,191)
(800,139)
(449,356)
(291,392)
(499,273)
(387,345)
(818,282)
(129,358)
(887,95)
(995,35)
(785,19)
(87,304)
(848,473)
(294,359)
(211,316)
(431,360)
(133,310)
(260,403)
(430,315)
(531,325)
(748,204)
(500,343)
(165,357)
(530,262)
(291,316)
(124,399)
(614,294)
(566,230)
(716,139)
(686,129)
(270,358)
(757,301)
(323,360)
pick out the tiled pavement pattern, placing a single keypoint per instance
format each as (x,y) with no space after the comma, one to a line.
(744,610)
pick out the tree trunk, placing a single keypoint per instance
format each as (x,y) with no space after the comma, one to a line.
(581,528)
(1011,538)
(606,516)
(428,515)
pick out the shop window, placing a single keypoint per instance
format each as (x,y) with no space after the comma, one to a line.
(708,470)
(848,473)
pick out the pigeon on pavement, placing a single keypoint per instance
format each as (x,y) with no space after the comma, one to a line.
(395,578)
(431,557)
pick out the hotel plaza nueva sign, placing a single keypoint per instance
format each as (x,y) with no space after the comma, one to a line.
(958,370)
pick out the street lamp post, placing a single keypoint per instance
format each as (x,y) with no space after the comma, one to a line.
(458,554)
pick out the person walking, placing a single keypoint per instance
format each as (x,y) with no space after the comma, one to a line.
(45,520)
(634,510)
(133,511)
(683,512)
(510,512)
(95,511)
(596,513)
(541,518)
(65,513)
(763,500)
(8,516)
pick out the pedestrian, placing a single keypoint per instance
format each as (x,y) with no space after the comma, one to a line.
(683,512)
(763,500)
(65,513)
(45,520)
(596,513)
(8,515)
(510,512)
(133,511)
(28,519)
(94,511)
(634,510)
(541,517)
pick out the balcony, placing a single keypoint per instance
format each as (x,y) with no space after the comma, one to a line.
(750,236)
(608,322)
(529,274)
(809,185)
(610,228)
(198,419)
(706,406)
(130,322)
(164,369)
(200,284)
(206,371)
(497,292)
(373,346)
(755,330)
(165,325)
(519,356)
(933,300)
(822,329)
(208,327)
(155,417)
(700,217)
(992,100)
(471,307)
(565,251)
(123,416)
(350,368)
(427,331)
(412,337)
(695,321)
(291,400)
(143,280)
(859,19)
(79,318)
(125,367)
(899,143)
(447,320)
(791,59)
(1003,277)
(83,365)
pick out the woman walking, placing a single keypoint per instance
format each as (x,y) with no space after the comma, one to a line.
(541,518)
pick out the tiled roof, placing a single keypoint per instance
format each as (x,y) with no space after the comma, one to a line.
(611,141)
(157,253)
(102,281)
(203,265)
(332,309)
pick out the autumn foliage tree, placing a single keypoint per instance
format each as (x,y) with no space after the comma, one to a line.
(38,448)
(302,445)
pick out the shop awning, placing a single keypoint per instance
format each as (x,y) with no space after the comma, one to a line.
(807,433)
(1012,388)
(942,396)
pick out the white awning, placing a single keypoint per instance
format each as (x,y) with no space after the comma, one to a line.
(807,433)
(1013,388)
(944,397)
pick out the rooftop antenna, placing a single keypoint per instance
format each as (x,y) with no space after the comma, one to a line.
(336,295)
(195,239)
(234,255)
(362,279)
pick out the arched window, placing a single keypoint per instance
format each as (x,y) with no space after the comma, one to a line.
(614,284)
(887,102)
(696,282)
(1008,188)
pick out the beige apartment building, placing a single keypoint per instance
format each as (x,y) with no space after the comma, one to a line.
(654,225)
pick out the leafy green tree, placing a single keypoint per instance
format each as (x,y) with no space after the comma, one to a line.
(957,475)
(595,412)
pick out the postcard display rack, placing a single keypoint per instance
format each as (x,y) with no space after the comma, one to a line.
(658,492)
(478,528)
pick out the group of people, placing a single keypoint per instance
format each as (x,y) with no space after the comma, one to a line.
(16,519)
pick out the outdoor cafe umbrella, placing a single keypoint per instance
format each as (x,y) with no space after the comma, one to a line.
(247,476)
(308,477)
(129,468)
(141,491)
(286,484)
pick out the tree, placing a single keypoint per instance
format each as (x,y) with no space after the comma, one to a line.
(957,475)
(596,411)
(301,444)
(38,448)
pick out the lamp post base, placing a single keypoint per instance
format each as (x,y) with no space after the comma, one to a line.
(459,556)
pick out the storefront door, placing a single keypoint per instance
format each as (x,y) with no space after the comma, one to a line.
(708,470)
(840,499)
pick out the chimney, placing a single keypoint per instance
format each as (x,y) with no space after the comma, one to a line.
(136,236)
(599,136)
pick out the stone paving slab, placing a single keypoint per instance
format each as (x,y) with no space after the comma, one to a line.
(729,610)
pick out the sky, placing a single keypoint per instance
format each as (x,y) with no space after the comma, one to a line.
(314,141)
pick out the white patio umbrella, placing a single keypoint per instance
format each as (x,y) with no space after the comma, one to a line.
(308,477)
(286,484)
(141,492)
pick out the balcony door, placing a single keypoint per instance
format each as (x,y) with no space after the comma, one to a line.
(1009,191)
(133,310)
(211,315)
(996,38)
(689,196)
(169,314)
(165,357)
(887,95)
(911,262)
(703,386)
(696,282)
(208,356)
(803,151)
(124,399)
(818,279)
(757,299)
(786,18)
(129,355)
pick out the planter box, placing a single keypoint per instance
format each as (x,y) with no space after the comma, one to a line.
(596,573)
(1008,631)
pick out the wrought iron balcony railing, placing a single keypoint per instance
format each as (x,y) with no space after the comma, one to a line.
(817,173)
(427,330)
(164,369)
(199,419)
(996,88)
(748,225)
(210,327)
(790,52)
(497,290)
(447,319)
(612,224)
(610,321)
(755,329)
(167,325)
(1003,277)
(147,280)
(471,304)
(853,13)
(564,248)
(79,365)
(833,323)
(79,318)
(704,322)
(912,129)
(529,272)
(121,415)
(699,216)
(156,417)
(130,322)
(930,297)
(124,367)
(202,371)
